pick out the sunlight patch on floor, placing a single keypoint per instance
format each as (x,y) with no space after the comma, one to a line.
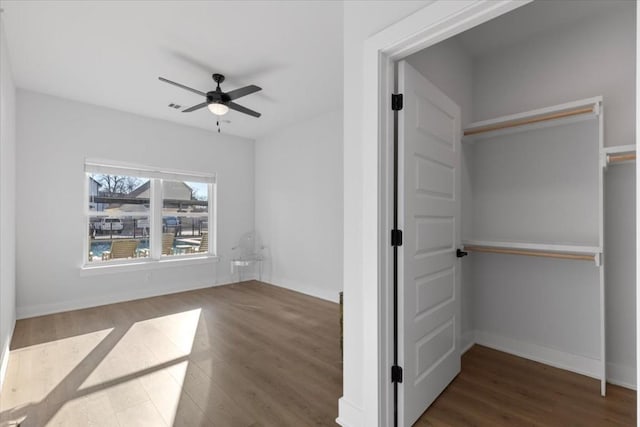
(111,378)
(148,364)
(34,372)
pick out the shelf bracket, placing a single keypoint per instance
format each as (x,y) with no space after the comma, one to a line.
(598,259)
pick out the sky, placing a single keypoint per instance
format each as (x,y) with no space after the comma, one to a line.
(200,188)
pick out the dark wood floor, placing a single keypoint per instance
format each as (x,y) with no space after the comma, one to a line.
(498,389)
(252,354)
(246,354)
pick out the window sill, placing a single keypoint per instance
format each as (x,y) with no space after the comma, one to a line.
(140,265)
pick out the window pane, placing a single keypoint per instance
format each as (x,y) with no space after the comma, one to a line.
(113,238)
(117,195)
(185,215)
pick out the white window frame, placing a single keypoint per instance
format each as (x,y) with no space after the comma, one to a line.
(155,176)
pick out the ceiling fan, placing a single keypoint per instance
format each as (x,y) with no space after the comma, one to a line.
(217,101)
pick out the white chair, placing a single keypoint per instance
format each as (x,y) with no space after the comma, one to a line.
(247,253)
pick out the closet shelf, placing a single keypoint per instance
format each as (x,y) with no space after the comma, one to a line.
(546,250)
(619,154)
(570,112)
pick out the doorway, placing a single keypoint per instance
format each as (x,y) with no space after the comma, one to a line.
(495,339)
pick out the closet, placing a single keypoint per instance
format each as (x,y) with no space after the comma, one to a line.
(538,192)
(542,103)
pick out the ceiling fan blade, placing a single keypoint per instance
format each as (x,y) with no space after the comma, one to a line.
(195,107)
(182,86)
(242,109)
(243,91)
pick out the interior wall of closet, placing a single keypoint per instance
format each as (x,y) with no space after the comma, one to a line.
(541,55)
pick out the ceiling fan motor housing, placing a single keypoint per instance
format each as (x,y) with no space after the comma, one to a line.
(216,96)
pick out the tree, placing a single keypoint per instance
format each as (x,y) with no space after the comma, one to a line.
(117,184)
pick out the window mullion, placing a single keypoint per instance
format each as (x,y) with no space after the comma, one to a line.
(213,217)
(86,246)
(155,205)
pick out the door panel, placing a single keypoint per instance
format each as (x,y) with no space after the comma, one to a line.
(429,212)
(434,290)
(434,178)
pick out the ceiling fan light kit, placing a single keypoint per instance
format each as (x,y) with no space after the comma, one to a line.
(218,108)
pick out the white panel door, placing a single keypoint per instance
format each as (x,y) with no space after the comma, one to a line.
(429,214)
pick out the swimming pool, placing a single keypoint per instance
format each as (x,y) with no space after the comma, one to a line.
(100,246)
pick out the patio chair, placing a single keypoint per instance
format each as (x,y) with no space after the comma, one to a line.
(204,243)
(167,243)
(125,248)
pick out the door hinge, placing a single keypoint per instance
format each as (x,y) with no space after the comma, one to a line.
(396,237)
(460,253)
(396,374)
(396,101)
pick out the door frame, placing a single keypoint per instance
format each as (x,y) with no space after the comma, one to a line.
(432,24)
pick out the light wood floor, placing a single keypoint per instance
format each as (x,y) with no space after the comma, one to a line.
(254,355)
(246,354)
(498,389)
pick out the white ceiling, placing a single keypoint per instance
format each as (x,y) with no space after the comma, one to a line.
(528,21)
(111,54)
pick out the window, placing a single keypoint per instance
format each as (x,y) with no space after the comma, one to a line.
(138,214)
(185,217)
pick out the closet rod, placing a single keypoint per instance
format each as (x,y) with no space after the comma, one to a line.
(521,122)
(612,158)
(530,253)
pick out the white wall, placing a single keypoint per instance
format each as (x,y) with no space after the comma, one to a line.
(619,244)
(298,187)
(593,57)
(358,406)
(56,136)
(7,204)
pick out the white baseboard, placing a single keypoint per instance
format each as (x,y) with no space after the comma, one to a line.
(348,414)
(44,309)
(325,294)
(624,376)
(58,307)
(467,341)
(559,359)
(4,355)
